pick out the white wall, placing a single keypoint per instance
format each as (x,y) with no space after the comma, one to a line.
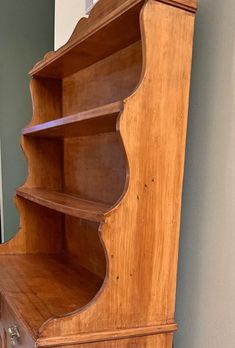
(206,279)
(67,14)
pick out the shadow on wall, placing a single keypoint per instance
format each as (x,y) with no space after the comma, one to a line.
(206,280)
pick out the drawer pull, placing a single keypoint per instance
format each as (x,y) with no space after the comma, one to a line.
(14,334)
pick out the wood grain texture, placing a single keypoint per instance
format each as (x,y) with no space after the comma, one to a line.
(94,46)
(190,5)
(109,80)
(95,167)
(104,22)
(117,338)
(47,99)
(45,156)
(159,341)
(141,235)
(29,238)
(82,245)
(98,120)
(94,262)
(65,203)
(39,287)
(92,32)
(45,163)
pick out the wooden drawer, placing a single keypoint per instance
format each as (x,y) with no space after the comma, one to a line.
(8,320)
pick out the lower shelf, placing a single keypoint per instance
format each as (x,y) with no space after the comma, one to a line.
(40,287)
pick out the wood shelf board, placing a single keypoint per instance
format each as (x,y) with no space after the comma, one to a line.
(65,203)
(94,45)
(91,38)
(40,287)
(101,119)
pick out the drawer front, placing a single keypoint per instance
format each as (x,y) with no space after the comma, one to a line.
(12,333)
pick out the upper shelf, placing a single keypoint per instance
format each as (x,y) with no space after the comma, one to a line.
(98,120)
(111,26)
(93,40)
(65,203)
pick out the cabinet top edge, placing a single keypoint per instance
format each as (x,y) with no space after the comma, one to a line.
(190,5)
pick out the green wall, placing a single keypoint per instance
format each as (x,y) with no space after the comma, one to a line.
(26,33)
(206,282)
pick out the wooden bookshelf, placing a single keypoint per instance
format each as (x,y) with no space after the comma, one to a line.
(94,262)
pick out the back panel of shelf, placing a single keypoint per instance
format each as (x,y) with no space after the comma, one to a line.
(109,80)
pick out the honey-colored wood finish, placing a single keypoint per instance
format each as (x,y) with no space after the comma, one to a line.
(83,123)
(64,203)
(94,262)
(158,341)
(121,338)
(41,287)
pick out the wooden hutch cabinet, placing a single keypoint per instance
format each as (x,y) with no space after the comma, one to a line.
(94,262)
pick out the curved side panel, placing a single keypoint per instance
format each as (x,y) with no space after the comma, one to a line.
(141,234)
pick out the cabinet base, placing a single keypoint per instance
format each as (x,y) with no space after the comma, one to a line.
(156,341)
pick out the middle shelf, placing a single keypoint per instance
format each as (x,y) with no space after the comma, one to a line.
(101,119)
(65,203)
